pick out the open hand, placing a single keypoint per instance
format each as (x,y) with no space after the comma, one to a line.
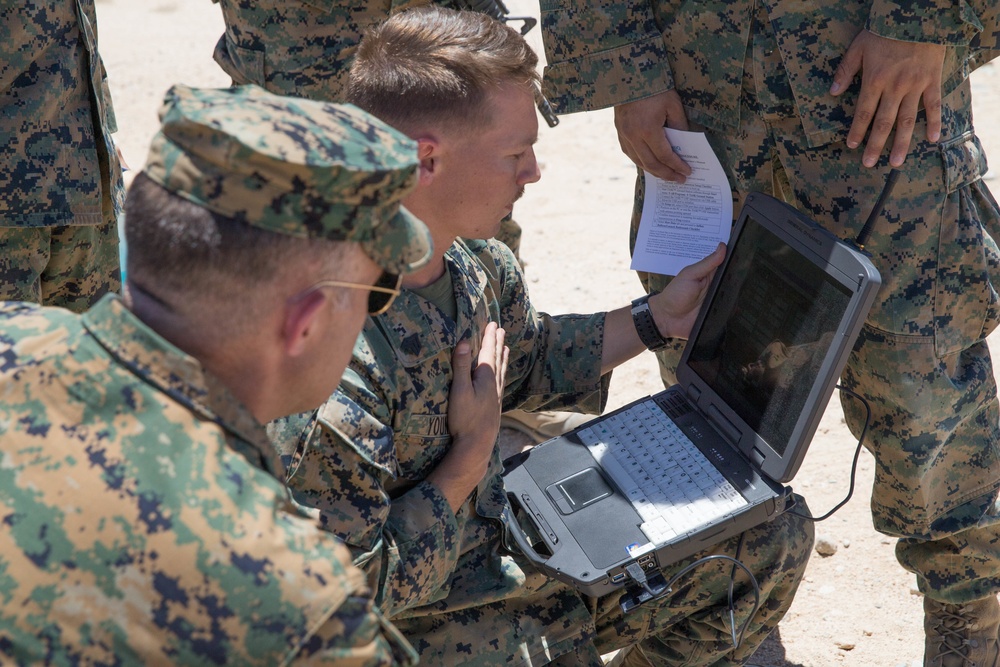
(895,77)
(473,416)
(476,392)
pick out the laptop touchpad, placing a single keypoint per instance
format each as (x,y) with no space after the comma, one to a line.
(578,490)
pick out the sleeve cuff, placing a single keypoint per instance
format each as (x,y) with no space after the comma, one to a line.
(616,76)
(422,510)
(948,23)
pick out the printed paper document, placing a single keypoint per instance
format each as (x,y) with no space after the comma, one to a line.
(681,223)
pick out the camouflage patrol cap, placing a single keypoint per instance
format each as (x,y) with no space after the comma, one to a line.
(292,166)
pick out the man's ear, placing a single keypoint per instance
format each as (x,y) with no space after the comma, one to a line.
(302,319)
(428,151)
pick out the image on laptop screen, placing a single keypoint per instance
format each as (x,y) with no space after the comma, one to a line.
(766,335)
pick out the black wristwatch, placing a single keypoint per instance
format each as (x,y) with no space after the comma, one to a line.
(645,326)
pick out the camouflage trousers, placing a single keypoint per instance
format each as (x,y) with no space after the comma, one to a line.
(68,266)
(691,626)
(921,361)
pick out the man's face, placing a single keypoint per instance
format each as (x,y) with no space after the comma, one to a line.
(483,170)
(343,317)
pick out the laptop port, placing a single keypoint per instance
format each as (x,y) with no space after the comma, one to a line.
(646,560)
(618,578)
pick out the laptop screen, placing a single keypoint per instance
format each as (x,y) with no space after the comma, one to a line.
(767,332)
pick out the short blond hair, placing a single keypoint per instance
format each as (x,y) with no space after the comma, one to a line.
(433,64)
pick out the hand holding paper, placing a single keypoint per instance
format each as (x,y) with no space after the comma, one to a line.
(682,223)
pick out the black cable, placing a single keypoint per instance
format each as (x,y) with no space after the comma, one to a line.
(854,463)
(732,606)
(737,637)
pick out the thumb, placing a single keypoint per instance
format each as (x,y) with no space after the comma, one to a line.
(706,265)
(461,361)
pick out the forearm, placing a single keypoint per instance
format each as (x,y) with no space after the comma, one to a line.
(621,341)
(455,478)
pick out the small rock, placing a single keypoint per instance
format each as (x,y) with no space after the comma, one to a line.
(846,542)
(825,546)
(845,646)
(867,632)
(915,591)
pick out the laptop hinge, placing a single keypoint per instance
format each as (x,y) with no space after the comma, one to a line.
(729,432)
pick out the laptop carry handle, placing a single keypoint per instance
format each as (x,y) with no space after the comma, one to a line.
(512,530)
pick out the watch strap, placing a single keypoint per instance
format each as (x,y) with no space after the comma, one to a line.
(645,326)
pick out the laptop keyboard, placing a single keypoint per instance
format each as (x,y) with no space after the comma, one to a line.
(671,484)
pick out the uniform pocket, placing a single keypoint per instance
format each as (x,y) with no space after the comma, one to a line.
(242,64)
(965,296)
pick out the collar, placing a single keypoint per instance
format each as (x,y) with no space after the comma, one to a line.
(179,375)
(418,330)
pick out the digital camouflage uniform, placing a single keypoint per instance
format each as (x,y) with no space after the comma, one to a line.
(446,581)
(59,172)
(756,81)
(144,521)
(145,517)
(305,48)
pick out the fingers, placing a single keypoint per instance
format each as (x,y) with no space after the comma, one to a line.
(895,77)
(640,134)
(659,159)
(461,362)
(502,375)
(704,267)
(488,356)
(121,158)
(906,119)
(500,370)
(932,109)
(878,113)
(492,366)
(848,68)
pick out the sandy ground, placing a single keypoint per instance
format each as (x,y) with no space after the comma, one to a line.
(856,608)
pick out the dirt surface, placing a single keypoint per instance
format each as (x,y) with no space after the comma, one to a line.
(857,607)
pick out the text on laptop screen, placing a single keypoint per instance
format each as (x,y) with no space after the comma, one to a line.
(767,332)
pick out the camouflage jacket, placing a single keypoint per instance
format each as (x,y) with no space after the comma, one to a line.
(58,165)
(298,47)
(607,52)
(143,519)
(363,459)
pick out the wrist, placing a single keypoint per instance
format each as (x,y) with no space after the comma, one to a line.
(459,473)
(646,326)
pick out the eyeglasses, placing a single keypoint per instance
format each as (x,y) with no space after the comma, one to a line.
(381,294)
